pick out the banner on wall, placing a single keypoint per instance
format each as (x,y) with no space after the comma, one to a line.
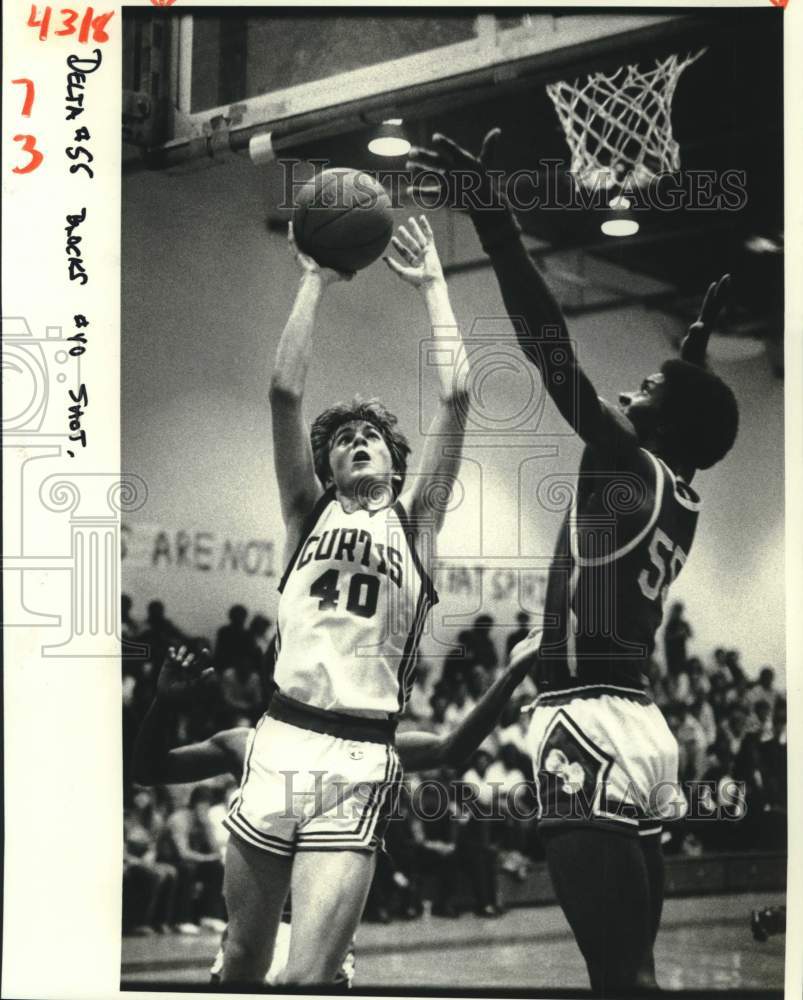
(155,547)
(195,550)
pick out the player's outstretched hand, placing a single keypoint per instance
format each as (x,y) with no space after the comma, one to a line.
(695,343)
(415,244)
(308,265)
(181,673)
(445,162)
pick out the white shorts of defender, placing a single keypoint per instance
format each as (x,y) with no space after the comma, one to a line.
(604,756)
(308,791)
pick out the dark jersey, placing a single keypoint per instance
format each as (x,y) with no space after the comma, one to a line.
(623,542)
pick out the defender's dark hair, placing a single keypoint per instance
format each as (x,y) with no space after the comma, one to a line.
(326,425)
(701,411)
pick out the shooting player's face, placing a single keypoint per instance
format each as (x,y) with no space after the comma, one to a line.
(358,452)
(643,406)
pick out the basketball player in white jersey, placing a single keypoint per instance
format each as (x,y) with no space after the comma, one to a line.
(157,761)
(354,597)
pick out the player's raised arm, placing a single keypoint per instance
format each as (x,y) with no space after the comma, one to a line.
(695,343)
(421,751)
(440,461)
(154,761)
(528,300)
(292,453)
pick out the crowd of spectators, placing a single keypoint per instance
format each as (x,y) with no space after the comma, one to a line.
(731,733)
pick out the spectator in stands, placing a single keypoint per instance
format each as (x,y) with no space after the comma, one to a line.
(733,665)
(420,704)
(435,829)
(129,627)
(396,888)
(478,683)
(482,640)
(159,633)
(677,632)
(505,773)
(523,620)
(513,725)
(773,759)
(149,886)
(241,691)
(718,665)
(189,843)
(459,660)
(234,646)
(734,727)
(763,723)
(460,704)
(764,688)
(440,706)
(259,642)
(693,744)
(478,856)
(719,695)
(698,682)
(703,712)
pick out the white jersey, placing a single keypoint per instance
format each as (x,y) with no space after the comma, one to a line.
(354,600)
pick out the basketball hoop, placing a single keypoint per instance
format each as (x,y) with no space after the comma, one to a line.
(619,125)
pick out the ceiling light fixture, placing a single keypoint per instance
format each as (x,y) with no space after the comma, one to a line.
(389,141)
(620,227)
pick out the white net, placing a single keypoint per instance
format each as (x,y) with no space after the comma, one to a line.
(620,124)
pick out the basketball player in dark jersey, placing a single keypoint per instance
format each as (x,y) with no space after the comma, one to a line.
(604,758)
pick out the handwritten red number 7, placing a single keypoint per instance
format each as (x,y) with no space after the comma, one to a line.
(29,146)
(29,95)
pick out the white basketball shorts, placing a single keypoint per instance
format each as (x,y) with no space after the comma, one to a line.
(604,756)
(306,790)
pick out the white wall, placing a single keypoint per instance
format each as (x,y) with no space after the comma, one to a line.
(206,289)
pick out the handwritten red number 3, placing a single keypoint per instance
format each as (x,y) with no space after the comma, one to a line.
(70,17)
(28,146)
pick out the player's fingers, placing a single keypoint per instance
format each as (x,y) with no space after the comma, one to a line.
(490,145)
(425,158)
(705,308)
(171,652)
(181,651)
(207,674)
(427,229)
(188,659)
(396,267)
(449,149)
(722,290)
(403,250)
(409,240)
(291,238)
(418,234)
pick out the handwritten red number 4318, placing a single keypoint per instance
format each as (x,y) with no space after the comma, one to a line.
(91,24)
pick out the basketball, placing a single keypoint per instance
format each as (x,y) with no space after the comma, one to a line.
(343,219)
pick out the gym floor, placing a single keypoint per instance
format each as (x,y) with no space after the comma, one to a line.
(704,944)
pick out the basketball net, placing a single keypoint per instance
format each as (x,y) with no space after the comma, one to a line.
(620,124)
